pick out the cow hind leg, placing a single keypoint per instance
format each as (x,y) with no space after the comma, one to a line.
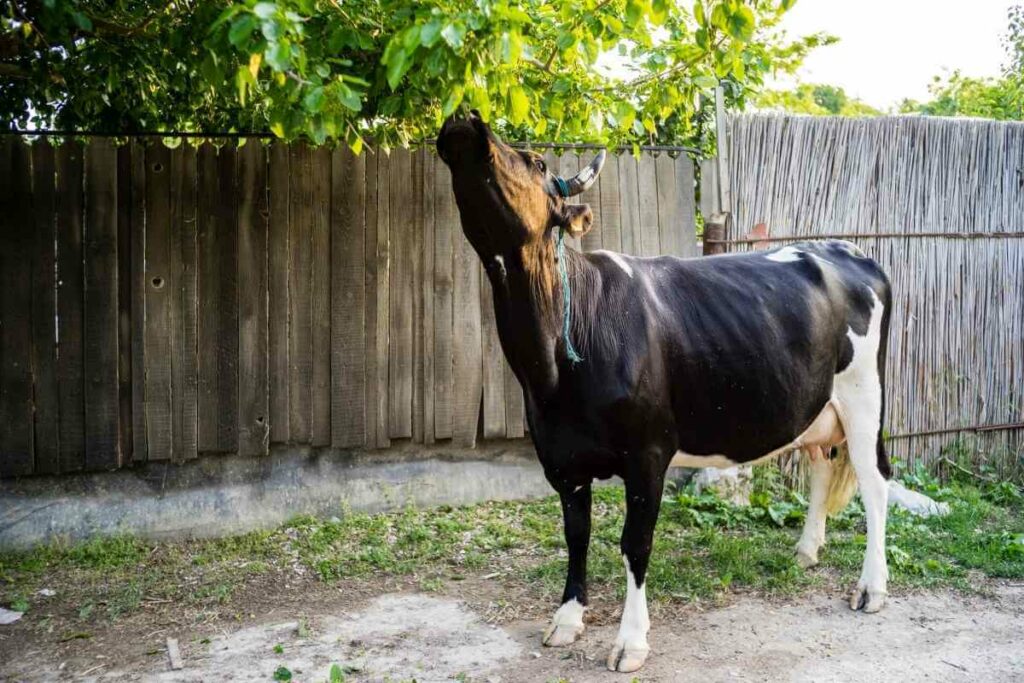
(871,587)
(858,394)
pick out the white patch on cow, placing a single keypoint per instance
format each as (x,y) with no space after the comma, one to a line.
(857,395)
(631,649)
(619,261)
(784,255)
(578,488)
(822,261)
(500,260)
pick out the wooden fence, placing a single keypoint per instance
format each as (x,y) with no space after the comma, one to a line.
(940,204)
(159,304)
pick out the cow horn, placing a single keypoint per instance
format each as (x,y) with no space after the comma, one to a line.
(584,180)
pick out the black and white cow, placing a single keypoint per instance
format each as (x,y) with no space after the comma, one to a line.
(706,362)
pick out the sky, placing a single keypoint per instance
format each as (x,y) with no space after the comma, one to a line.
(891,49)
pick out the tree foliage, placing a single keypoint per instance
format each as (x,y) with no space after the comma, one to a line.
(959,95)
(815,99)
(613,71)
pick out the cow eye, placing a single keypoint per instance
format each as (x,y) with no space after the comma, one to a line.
(541,166)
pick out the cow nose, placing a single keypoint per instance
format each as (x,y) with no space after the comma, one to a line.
(459,139)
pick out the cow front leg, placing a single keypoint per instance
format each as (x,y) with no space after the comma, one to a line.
(567,624)
(643,500)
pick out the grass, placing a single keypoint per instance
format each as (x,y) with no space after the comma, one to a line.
(705,549)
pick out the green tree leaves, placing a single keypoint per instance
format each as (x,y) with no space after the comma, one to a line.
(815,99)
(611,71)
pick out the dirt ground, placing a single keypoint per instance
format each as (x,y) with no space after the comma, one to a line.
(477,630)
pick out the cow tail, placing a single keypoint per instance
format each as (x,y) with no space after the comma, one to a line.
(843,484)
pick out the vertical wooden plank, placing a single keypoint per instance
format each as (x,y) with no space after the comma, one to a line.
(709,188)
(218,296)
(160,297)
(320,302)
(383,283)
(446,229)
(594,239)
(184,260)
(685,205)
(124,302)
(71,392)
(209,240)
(370,287)
(650,237)
(429,162)
(102,445)
(568,166)
(723,145)
(401,297)
(253,215)
(137,219)
(492,365)
(468,345)
(44,312)
(16,240)
(611,219)
(300,342)
(629,206)
(278,279)
(348,299)
(417,292)
(670,227)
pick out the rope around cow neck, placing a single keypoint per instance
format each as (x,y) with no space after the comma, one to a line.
(563,270)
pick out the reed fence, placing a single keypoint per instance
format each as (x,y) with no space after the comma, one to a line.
(940,204)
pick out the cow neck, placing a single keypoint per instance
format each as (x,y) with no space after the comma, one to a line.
(528,306)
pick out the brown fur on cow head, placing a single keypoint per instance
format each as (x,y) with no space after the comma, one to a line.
(510,203)
(507,198)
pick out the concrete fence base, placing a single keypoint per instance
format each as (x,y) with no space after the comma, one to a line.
(215,496)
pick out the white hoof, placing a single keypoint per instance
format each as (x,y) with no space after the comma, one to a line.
(560,635)
(806,560)
(627,659)
(566,626)
(868,600)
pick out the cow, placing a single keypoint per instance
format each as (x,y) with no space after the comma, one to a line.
(703,362)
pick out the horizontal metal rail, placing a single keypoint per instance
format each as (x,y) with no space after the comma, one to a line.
(952,430)
(46,132)
(871,235)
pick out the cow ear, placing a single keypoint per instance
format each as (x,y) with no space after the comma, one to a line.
(579,219)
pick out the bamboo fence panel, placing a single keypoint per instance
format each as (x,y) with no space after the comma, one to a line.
(943,203)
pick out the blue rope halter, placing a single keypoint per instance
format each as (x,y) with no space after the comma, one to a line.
(570,352)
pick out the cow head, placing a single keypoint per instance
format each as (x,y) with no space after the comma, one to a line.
(507,198)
